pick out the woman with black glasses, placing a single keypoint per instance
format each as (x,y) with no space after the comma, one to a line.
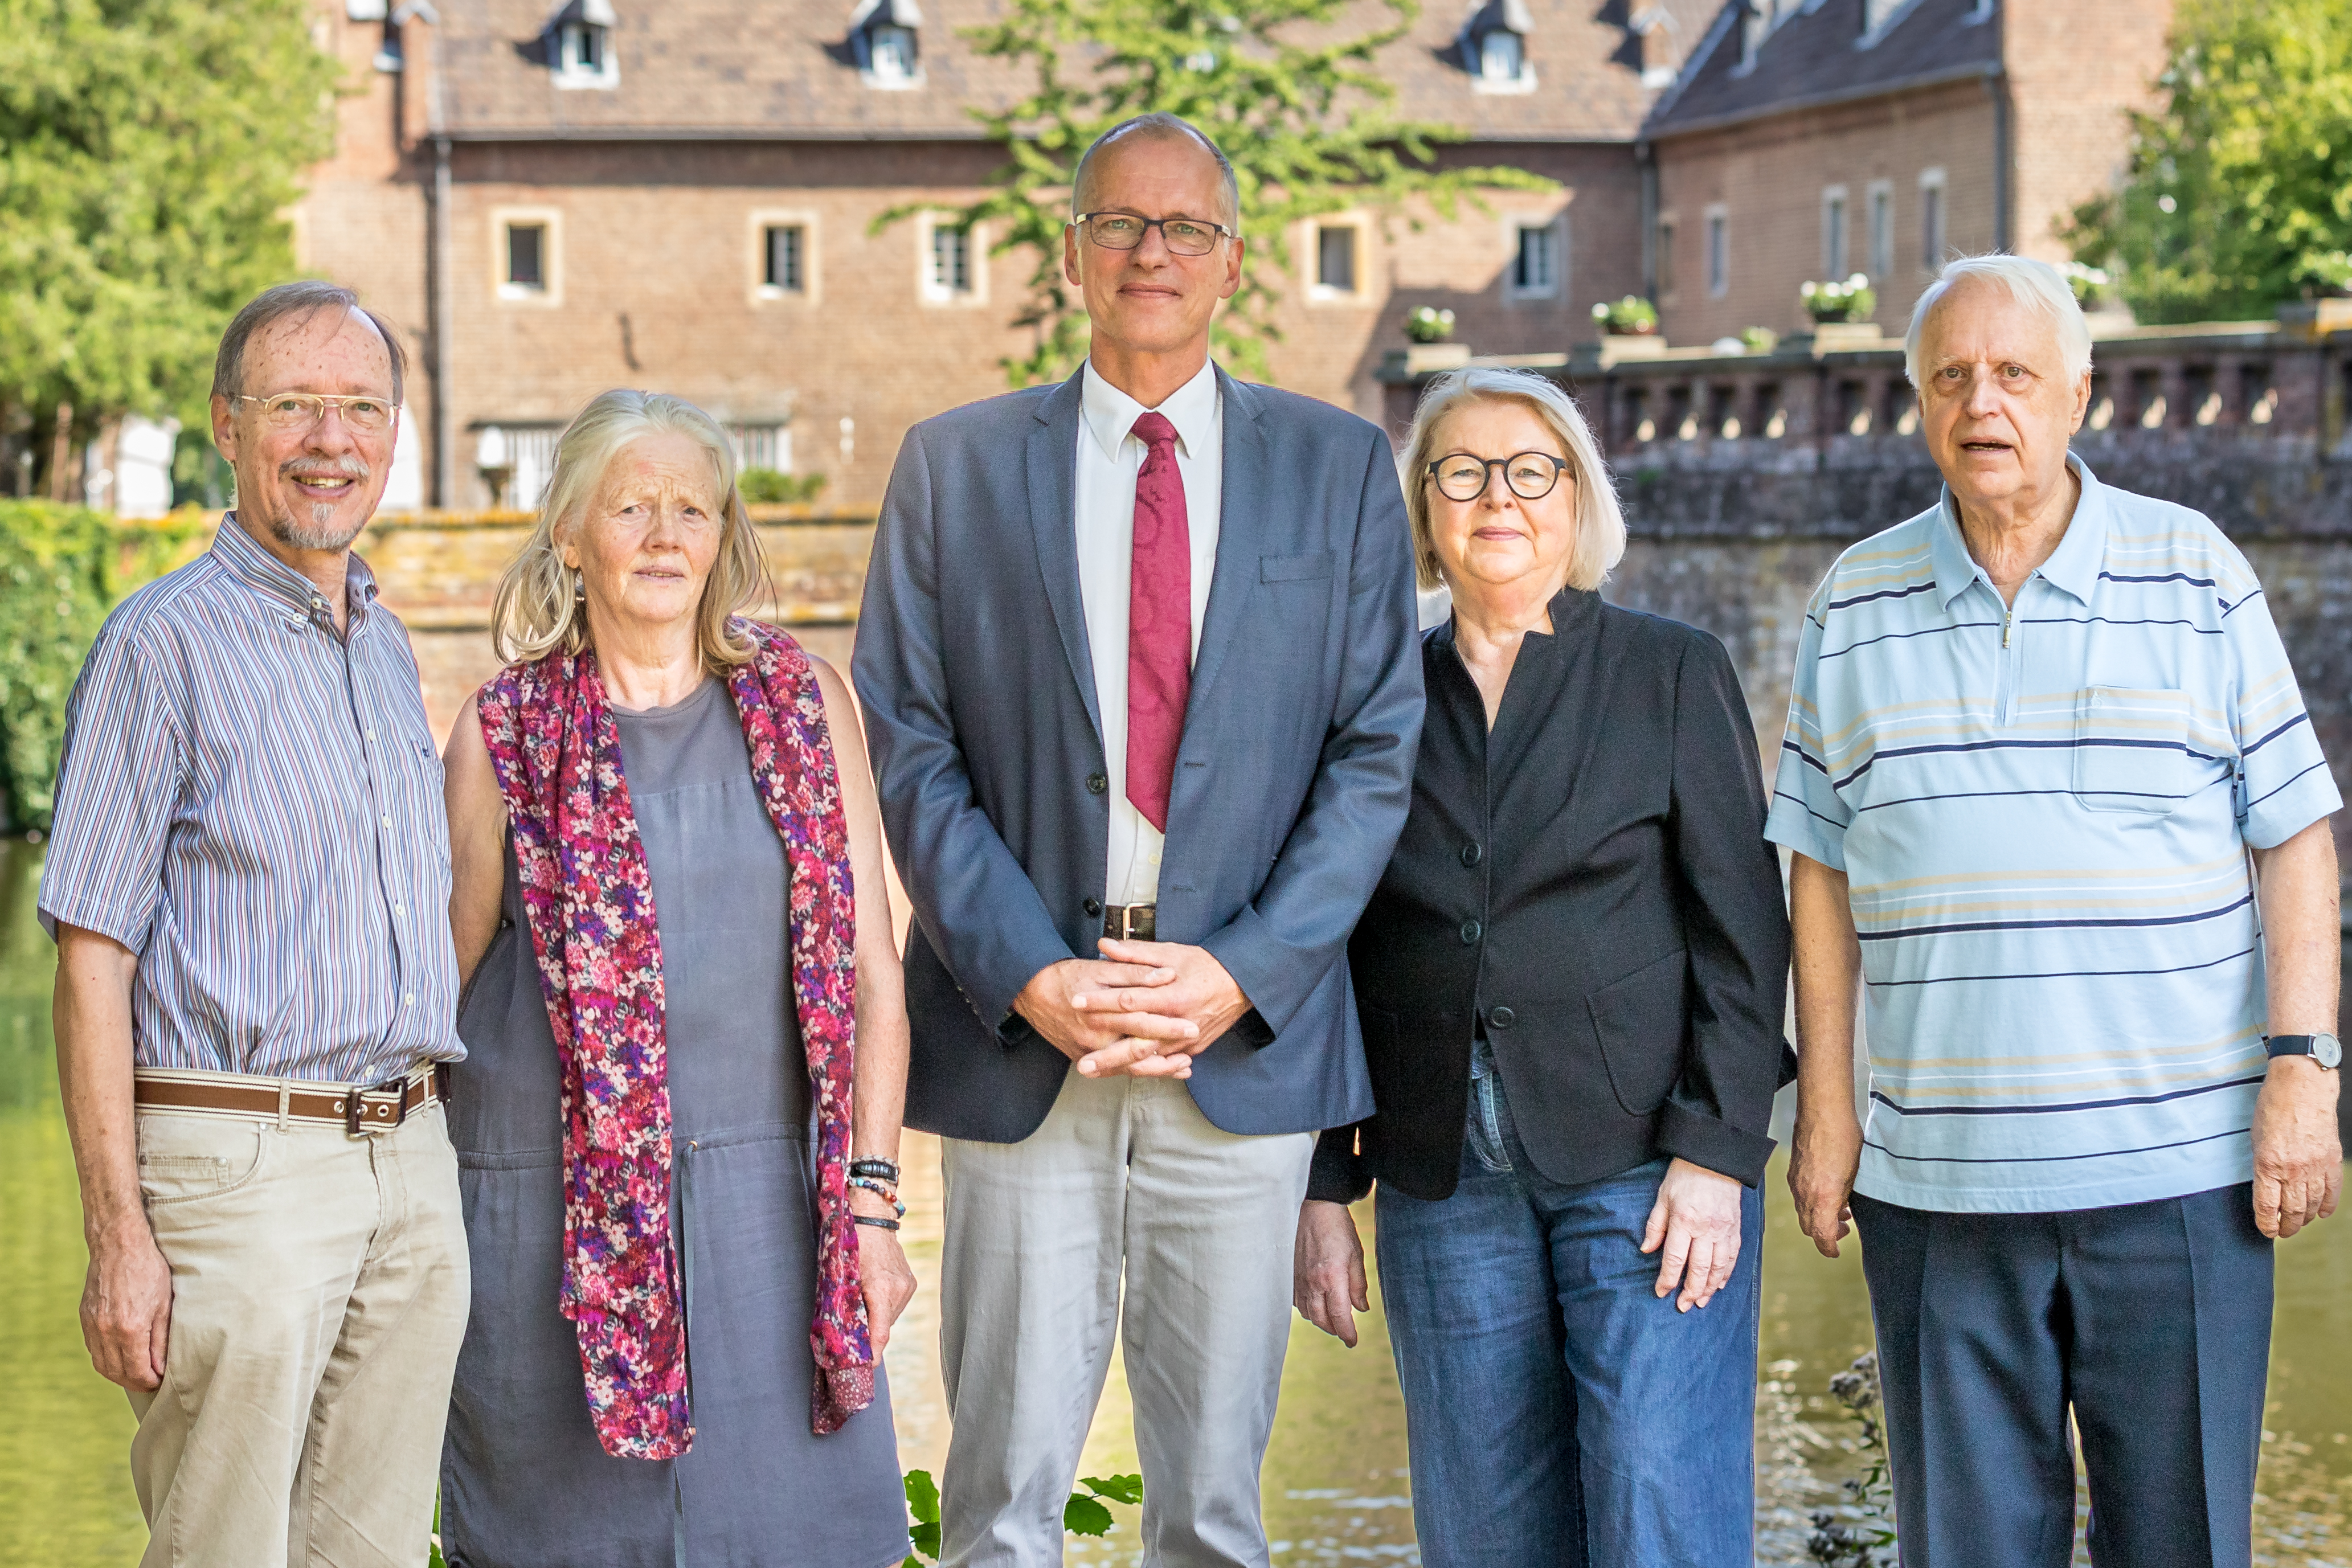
(1570,982)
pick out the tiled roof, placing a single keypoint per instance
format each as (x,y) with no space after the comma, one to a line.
(784,69)
(1818,54)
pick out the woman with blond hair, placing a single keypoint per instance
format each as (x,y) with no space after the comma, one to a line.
(1570,983)
(687,1048)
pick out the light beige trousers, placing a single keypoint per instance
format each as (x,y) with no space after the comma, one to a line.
(1124,1173)
(319,1296)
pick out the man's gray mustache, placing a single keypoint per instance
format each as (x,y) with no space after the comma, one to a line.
(347,468)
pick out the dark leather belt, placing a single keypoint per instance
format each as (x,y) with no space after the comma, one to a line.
(360,1110)
(1131,921)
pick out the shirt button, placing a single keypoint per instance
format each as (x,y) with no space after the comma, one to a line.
(369,733)
(1096,783)
(1092,906)
(1471,932)
(385,821)
(1500,1018)
(407,997)
(1472,854)
(396,909)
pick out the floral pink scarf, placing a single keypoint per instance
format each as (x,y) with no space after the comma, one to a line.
(588,897)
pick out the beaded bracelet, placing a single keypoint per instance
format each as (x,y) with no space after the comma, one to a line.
(876,1220)
(887,1194)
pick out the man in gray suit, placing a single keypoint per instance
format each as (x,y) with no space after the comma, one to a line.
(1138,669)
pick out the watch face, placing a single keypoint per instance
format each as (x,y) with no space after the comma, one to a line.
(2327,1051)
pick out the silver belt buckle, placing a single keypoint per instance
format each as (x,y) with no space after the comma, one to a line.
(1131,921)
(364,1117)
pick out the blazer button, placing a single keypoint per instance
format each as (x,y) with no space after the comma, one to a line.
(1471,932)
(1500,1018)
(1096,783)
(1472,854)
(1093,906)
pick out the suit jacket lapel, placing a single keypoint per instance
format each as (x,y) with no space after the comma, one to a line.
(1053,515)
(1247,467)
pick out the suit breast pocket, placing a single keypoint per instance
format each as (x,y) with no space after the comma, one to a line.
(2131,750)
(1315,566)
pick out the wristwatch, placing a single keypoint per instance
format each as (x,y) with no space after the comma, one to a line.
(2324,1050)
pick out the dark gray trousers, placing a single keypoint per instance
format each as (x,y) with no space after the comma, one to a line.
(2151,1322)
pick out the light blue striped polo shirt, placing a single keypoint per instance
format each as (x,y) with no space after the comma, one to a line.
(2044,815)
(252,805)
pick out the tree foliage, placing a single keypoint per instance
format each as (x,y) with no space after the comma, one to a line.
(2240,192)
(146,149)
(1282,87)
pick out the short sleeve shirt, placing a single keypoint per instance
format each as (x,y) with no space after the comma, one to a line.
(252,805)
(2044,812)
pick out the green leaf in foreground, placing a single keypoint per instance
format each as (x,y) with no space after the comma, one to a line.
(1085,1516)
(1118,1488)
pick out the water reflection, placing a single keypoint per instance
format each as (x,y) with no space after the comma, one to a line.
(1335,1487)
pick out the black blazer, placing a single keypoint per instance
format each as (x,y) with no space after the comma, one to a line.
(1591,884)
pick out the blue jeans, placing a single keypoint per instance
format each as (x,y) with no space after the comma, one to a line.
(1557,1410)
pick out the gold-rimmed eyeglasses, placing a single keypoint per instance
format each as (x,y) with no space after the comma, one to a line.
(1531,475)
(303,410)
(1125,231)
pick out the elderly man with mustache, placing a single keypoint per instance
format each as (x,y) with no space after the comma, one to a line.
(249,888)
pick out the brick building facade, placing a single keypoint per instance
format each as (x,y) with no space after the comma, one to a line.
(684,196)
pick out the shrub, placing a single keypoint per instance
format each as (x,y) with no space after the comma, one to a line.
(61,569)
(767,487)
(1427,324)
(1631,317)
(1853,300)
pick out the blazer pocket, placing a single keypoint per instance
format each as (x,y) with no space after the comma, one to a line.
(1638,1021)
(1294,568)
(2131,750)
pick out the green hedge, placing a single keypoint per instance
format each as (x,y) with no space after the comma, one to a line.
(61,569)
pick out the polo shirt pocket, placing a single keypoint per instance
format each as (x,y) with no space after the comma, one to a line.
(2131,750)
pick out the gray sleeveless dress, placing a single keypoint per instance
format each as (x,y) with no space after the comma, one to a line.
(524,1484)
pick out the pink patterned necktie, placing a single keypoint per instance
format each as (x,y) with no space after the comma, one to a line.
(1159,624)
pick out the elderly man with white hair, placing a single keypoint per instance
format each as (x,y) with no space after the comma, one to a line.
(2053,799)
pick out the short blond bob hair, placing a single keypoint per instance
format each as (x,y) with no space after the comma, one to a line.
(1600,525)
(538,610)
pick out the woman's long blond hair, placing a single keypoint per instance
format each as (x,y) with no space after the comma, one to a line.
(538,610)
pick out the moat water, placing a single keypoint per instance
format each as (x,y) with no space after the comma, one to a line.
(1336,1482)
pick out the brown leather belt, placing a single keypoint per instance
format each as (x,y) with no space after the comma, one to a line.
(362,1111)
(1131,921)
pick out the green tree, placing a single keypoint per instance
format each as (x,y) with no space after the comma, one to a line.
(147,148)
(1297,106)
(2239,193)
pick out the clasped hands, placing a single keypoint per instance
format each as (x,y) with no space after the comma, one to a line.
(1144,1008)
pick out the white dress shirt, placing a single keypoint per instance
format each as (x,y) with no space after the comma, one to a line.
(1110,455)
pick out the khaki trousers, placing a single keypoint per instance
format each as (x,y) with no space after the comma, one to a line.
(319,1296)
(1124,1173)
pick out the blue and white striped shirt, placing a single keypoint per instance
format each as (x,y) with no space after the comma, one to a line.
(252,805)
(2043,813)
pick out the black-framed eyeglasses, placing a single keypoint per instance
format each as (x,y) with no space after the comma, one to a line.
(1531,475)
(1125,231)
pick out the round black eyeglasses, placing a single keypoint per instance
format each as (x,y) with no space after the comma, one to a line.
(1125,231)
(1531,475)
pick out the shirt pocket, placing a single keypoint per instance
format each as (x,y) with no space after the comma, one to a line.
(2131,750)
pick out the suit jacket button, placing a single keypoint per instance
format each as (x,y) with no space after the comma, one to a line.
(1500,1018)
(1093,906)
(1472,854)
(1471,932)
(1096,783)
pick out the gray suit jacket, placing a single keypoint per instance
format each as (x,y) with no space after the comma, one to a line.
(1292,780)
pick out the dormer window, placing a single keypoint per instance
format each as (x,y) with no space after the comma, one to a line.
(882,36)
(582,52)
(1493,45)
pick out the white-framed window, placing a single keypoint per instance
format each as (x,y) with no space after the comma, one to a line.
(1665,256)
(1933,189)
(1538,258)
(891,55)
(781,255)
(515,462)
(583,54)
(1719,251)
(1337,259)
(1835,232)
(527,254)
(780,270)
(1879,204)
(762,446)
(954,261)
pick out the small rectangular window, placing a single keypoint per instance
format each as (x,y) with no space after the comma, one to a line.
(782,249)
(1882,233)
(527,255)
(1718,254)
(1833,234)
(1502,55)
(1665,258)
(1535,268)
(1335,259)
(583,48)
(890,54)
(1931,219)
(950,260)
